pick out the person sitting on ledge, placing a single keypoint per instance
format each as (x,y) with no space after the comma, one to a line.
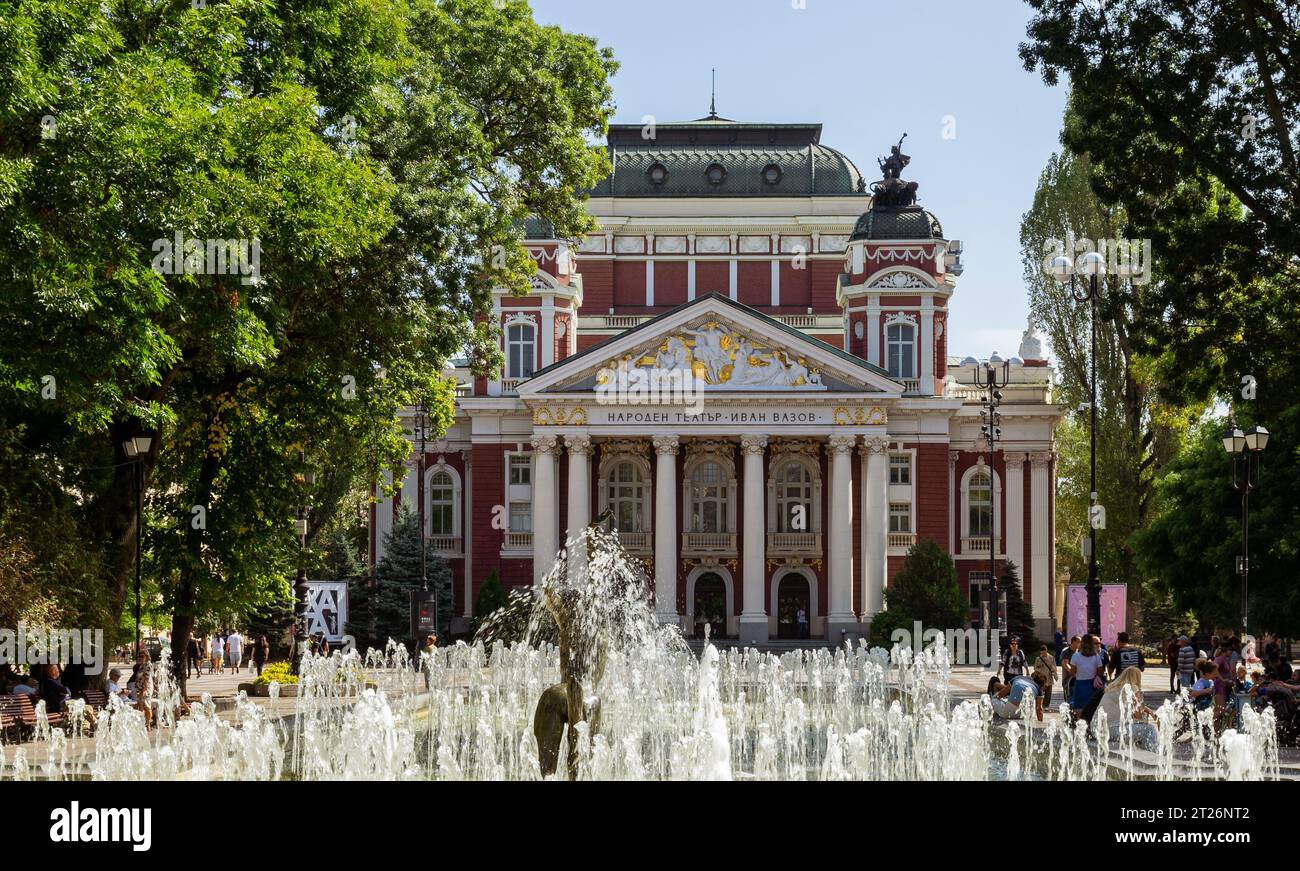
(1008,698)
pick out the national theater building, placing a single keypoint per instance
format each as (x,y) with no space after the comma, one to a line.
(827,427)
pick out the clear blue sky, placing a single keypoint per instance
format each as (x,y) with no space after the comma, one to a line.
(868,70)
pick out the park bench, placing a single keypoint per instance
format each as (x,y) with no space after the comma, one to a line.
(11,724)
(97,699)
(19,715)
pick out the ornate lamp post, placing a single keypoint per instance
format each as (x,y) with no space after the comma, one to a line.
(1092,265)
(421,437)
(307,477)
(136,450)
(1246,450)
(991,377)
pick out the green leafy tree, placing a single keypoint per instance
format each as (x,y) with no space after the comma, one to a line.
(925,588)
(1137,431)
(382,155)
(491,596)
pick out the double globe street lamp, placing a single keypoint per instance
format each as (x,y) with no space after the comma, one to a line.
(1092,265)
(991,377)
(1246,449)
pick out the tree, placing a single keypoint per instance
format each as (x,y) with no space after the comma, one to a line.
(1020,614)
(925,588)
(1189,112)
(1137,429)
(1191,547)
(398,575)
(381,156)
(491,596)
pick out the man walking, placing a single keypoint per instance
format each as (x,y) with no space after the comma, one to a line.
(235,650)
(1125,655)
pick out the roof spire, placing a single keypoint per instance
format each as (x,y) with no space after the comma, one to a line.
(713,94)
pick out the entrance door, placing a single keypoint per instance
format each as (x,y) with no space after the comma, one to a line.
(710,605)
(793,595)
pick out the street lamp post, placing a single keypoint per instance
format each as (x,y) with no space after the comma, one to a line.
(421,435)
(136,450)
(1246,450)
(300,639)
(1092,265)
(991,377)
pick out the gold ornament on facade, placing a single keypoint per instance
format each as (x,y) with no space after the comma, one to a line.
(559,415)
(859,416)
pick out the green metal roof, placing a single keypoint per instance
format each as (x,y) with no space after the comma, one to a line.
(682,153)
(908,222)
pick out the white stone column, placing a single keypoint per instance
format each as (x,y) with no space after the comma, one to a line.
(753,617)
(547,336)
(873,332)
(546,525)
(579,445)
(875,526)
(927,345)
(1040,541)
(665,529)
(1013,497)
(840,615)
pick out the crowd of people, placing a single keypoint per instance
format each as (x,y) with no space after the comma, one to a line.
(224,650)
(1221,678)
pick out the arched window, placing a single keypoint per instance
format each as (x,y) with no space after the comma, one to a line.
(520,350)
(979,505)
(900,350)
(794,499)
(709,493)
(625,494)
(442,504)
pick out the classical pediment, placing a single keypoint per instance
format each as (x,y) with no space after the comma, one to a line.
(723,347)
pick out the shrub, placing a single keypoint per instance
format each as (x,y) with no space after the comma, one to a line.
(281,672)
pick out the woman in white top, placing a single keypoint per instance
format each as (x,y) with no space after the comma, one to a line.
(1142,727)
(1086,668)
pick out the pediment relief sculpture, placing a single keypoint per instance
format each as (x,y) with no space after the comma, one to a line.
(722,357)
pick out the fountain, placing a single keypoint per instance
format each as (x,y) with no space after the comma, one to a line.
(581,670)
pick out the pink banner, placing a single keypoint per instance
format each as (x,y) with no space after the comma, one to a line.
(1114,607)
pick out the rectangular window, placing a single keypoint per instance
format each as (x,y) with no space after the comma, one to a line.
(900,517)
(521,469)
(521,517)
(900,468)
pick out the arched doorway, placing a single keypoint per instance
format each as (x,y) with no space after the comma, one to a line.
(793,595)
(710,605)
